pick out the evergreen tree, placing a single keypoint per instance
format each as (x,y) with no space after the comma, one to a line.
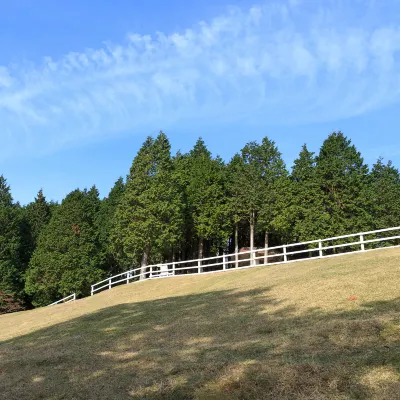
(105,224)
(275,184)
(343,178)
(237,197)
(37,216)
(68,255)
(11,266)
(206,196)
(149,219)
(305,210)
(187,247)
(255,175)
(384,192)
(246,185)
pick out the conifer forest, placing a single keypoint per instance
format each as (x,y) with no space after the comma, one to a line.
(185,206)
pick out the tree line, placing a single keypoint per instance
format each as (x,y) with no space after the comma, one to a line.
(184,206)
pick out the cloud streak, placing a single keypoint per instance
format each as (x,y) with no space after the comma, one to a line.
(270,64)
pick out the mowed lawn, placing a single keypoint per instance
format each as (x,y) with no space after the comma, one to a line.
(325,329)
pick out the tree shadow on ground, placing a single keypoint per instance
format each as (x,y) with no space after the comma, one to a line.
(216,345)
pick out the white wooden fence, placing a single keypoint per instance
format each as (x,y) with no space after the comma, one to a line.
(67,299)
(322,248)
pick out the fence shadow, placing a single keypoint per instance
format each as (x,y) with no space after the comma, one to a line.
(216,345)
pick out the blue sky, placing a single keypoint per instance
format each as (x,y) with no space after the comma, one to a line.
(83,83)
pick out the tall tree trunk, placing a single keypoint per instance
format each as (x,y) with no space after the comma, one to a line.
(236,244)
(145,261)
(201,251)
(266,245)
(252,223)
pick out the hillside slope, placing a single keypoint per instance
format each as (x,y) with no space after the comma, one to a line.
(311,330)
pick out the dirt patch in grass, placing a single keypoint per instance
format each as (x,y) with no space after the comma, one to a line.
(272,333)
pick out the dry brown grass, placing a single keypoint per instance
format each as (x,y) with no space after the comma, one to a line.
(279,332)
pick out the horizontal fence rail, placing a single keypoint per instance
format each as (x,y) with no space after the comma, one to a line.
(67,299)
(320,248)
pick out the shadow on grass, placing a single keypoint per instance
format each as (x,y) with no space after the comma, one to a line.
(215,345)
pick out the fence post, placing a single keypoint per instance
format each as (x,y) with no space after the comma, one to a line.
(74,296)
(173,268)
(362,242)
(223,262)
(127,276)
(284,254)
(91,290)
(320,248)
(109,283)
(199,266)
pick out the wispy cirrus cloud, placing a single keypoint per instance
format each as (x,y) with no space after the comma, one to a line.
(275,63)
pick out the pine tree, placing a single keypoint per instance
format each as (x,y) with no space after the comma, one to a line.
(105,224)
(305,210)
(384,194)
(304,166)
(237,198)
(275,183)
(149,219)
(255,175)
(343,178)
(37,216)
(206,196)
(186,247)
(11,266)
(246,186)
(68,255)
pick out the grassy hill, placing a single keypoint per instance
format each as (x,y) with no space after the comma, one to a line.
(282,332)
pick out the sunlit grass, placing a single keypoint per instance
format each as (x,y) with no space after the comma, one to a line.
(282,332)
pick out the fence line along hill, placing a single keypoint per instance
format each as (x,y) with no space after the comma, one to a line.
(322,248)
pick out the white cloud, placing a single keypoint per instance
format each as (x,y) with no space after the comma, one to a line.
(275,63)
(5,79)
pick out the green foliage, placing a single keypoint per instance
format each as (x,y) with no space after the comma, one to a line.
(184,249)
(206,195)
(274,178)
(68,256)
(237,194)
(11,265)
(304,212)
(384,195)
(343,178)
(186,206)
(255,175)
(149,219)
(250,169)
(105,222)
(36,217)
